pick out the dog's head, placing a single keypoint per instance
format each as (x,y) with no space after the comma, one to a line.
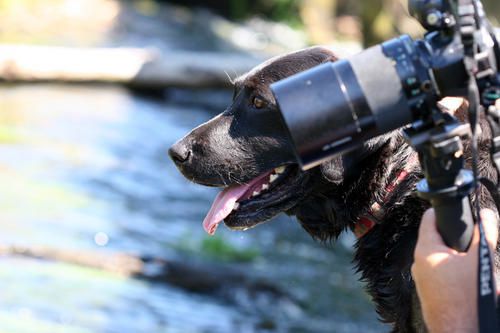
(245,150)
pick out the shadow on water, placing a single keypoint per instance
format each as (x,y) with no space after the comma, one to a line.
(85,168)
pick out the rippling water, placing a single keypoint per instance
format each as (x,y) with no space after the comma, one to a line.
(85,168)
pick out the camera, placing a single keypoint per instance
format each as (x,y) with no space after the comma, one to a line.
(335,107)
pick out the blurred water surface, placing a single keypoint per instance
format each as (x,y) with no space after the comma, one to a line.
(85,169)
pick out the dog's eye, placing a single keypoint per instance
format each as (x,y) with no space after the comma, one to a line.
(258,102)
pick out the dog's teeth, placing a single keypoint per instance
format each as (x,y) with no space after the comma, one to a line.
(236,206)
(255,193)
(272,178)
(279,170)
(265,187)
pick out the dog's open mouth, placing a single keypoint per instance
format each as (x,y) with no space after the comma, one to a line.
(244,206)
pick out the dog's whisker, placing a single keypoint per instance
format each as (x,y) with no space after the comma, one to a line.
(222,178)
(229,176)
(236,75)
(234,180)
(231,80)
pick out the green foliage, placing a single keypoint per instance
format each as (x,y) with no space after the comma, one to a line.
(285,10)
(218,248)
(277,10)
(238,8)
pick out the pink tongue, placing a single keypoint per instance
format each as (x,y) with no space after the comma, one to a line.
(225,201)
(222,207)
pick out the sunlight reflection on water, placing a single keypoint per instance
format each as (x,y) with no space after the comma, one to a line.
(85,168)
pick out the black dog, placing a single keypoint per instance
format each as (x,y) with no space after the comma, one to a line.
(244,150)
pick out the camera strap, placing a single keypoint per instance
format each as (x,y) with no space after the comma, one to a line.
(487,296)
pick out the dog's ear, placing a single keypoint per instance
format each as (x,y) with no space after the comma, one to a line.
(287,65)
(318,55)
(329,55)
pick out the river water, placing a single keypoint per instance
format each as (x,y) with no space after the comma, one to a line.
(86,169)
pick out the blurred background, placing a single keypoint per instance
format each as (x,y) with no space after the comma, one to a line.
(99,232)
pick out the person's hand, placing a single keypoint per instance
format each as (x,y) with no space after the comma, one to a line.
(446,280)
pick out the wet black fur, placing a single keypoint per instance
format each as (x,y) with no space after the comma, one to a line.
(244,142)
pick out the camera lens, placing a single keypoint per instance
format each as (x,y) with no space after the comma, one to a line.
(324,109)
(335,107)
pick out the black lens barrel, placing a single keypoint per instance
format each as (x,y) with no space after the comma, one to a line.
(319,108)
(335,107)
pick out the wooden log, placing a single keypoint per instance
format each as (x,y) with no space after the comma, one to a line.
(194,276)
(141,68)
(118,263)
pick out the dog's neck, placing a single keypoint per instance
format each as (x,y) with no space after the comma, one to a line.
(369,176)
(378,209)
(388,175)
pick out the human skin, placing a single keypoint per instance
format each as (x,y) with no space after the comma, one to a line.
(446,280)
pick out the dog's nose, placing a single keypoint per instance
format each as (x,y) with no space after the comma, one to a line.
(179,153)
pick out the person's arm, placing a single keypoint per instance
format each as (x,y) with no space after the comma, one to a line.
(446,280)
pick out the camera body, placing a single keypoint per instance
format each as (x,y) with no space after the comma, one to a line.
(335,107)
